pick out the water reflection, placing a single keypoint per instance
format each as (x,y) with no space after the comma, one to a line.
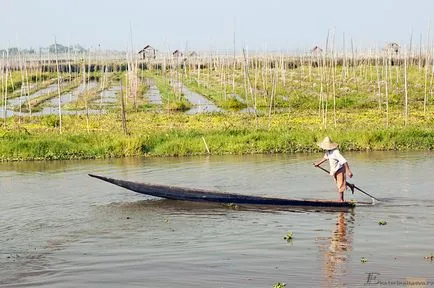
(338,250)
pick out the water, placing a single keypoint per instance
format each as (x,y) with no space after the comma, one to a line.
(51,106)
(19,100)
(109,96)
(61,228)
(71,96)
(153,94)
(199,102)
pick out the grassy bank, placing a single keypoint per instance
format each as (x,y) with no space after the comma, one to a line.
(158,134)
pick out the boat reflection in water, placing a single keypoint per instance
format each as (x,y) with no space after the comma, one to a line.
(337,249)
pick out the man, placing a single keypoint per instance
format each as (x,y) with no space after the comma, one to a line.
(338,165)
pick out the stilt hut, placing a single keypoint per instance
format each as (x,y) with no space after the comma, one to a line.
(148,52)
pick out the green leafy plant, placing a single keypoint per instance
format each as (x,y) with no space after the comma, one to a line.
(51,121)
(279,285)
(232,206)
(363,260)
(288,236)
(382,222)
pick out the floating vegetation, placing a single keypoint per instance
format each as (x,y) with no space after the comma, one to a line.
(177,134)
(382,222)
(279,285)
(431,257)
(231,206)
(288,236)
(281,94)
(363,260)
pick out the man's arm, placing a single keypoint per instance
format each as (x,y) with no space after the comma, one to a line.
(316,164)
(347,167)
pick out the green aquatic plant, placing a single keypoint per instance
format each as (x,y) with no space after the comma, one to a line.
(431,257)
(231,206)
(363,260)
(382,222)
(279,285)
(288,236)
(51,121)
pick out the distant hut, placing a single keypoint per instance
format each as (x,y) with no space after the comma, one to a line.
(148,52)
(177,53)
(392,48)
(316,50)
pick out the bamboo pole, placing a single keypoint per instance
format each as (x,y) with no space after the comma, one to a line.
(234,60)
(22,79)
(420,52)
(124,121)
(206,145)
(5,99)
(58,86)
(334,85)
(378,80)
(432,74)
(273,93)
(27,85)
(2,71)
(425,97)
(405,89)
(345,60)
(387,90)
(249,85)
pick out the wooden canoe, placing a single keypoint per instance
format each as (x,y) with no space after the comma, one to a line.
(199,195)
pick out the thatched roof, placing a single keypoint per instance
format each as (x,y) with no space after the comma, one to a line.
(177,53)
(147,48)
(316,49)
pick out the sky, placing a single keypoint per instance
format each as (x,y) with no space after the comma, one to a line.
(201,25)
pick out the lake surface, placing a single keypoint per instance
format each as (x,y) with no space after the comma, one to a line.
(61,228)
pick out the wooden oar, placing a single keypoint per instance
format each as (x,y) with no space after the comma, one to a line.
(325,170)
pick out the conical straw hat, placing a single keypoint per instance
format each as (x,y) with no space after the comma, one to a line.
(328,144)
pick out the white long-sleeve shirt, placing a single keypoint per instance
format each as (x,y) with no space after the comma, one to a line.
(336,160)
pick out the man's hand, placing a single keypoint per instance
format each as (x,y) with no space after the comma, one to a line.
(316,164)
(350,174)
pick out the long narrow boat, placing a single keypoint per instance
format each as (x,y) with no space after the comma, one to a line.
(199,195)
